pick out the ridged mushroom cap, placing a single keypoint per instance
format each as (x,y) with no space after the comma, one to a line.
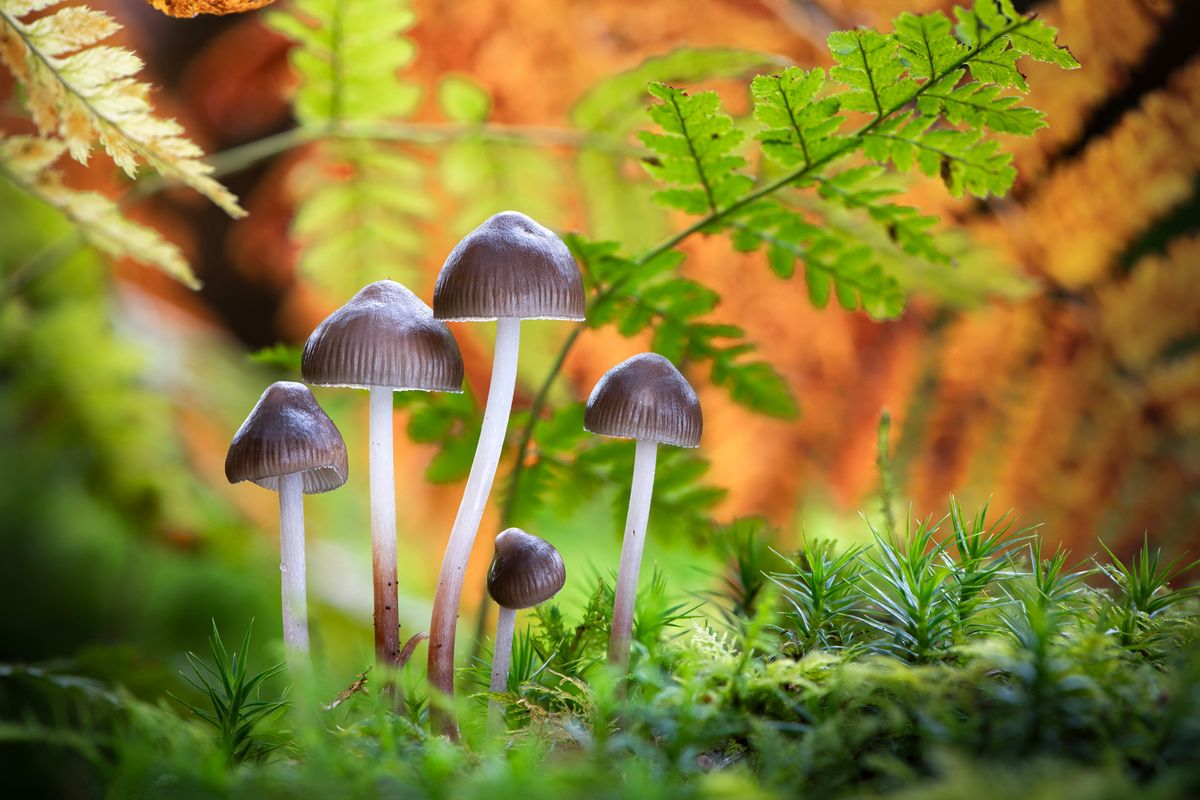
(383,336)
(287,432)
(525,571)
(510,266)
(645,397)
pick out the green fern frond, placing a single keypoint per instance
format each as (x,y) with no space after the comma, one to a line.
(28,162)
(82,92)
(920,119)
(347,59)
(868,63)
(798,128)
(361,200)
(695,151)
(636,296)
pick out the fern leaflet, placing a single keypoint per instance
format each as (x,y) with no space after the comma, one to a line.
(83,92)
(28,162)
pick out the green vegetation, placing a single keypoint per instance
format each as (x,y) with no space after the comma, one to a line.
(919,664)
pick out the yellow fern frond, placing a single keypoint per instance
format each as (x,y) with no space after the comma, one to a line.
(28,162)
(82,92)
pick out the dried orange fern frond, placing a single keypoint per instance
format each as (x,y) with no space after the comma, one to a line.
(192,8)
(28,161)
(82,92)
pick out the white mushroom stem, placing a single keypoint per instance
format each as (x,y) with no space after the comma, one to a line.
(383,528)
(291,567)
(625,594)
(501,660)
(470,512)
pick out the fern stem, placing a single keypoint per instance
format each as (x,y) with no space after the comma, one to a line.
(247,155)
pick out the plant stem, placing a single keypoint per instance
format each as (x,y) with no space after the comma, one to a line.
(383,529)
(466,523)
(291,567)
(247,155)
(625,594)
(501,660)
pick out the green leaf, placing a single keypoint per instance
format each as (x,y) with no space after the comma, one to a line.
(451,421)
(858,189)
(756,385)
(283,357)
(927,45)
(798,128)
(1040,42)
(997,63)
(869,63)
(358,222)
(348,58)
(615,104)
(463,100)
(964,160)
(980,105)
(695,151)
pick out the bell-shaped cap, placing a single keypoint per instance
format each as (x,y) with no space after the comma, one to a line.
(384,336)
(287,432)
(645,397)
(525,571)
(510,266)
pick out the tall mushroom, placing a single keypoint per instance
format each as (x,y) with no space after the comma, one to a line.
(508,269)
(384,339)
(647,399)
(526,571)
(288,445)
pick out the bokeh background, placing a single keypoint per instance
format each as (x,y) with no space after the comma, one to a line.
(1055,369)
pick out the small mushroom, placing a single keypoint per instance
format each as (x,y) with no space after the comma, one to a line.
(288,445)
(526,571)
(384,339)
(647,399)
(508,269)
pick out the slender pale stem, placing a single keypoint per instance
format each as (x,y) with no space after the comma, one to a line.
(625,594)
(291,567)
(470,512)
(383,529)
(501,659)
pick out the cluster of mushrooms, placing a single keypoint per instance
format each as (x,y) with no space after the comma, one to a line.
(385,339)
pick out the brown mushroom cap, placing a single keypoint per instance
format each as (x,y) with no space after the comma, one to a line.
(510,266)
(525,571)
(287,432)
(383,336)
(645,397)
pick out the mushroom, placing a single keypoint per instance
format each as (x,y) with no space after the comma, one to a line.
(384,339)
(288,445)
(526,571)
(508,269)
(647,399)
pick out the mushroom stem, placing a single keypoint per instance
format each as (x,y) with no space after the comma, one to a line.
(625,594)
(470,511)
(291,567)
(383,528)
(501,659)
